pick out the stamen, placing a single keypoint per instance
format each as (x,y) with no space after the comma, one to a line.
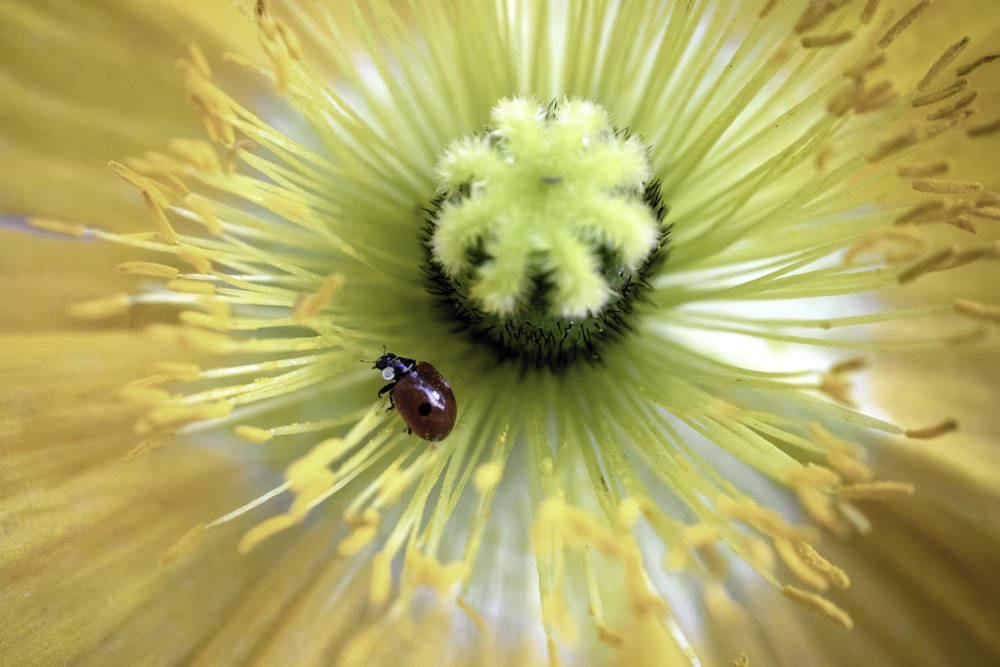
(855,517)
(311,305)
(609,635)
(942,62)
(942,93)
(953,109)
(151,269)
(487,476)
(817,41)
(902,24)
(767,8)
(897,245)
(894,144)
(842,457)
(253,434)
(876,97)
(740,661)
(923,170)
(868,12)
(946,426)
(170,415)
(187,286)
(863,67)
(989,212)
(99,309)
(928,264)
(880,490)
(978,62)
(58,226)
(169,371)
(152,442)
(184,545)
(969,255)
(159,218)
(983,130)
(937,186)
(820,604)
(381,581)
(814,13)
(145,395)
(978,310)
(476,618)
(809,565)
(926,212)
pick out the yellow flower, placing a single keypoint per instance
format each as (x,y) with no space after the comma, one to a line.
(702,277)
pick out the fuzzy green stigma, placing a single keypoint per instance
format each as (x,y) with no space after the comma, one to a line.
(544,230)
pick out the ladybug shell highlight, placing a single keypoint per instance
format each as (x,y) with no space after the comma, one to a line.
(421,394)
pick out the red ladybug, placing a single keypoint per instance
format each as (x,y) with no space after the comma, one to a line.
(421,394)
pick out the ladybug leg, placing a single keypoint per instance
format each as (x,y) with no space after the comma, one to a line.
(388,388)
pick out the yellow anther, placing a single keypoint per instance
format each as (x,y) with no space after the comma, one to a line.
(206,341)
(833,39)
(473,614)
(929,264)
(381,582)
(902,24)
(187,286)
(814,476)
(357,540)
(820,604)
(253,434)
(58,226)
(183,413)
(151,269)
(145,395)
(424,570)
(942,62)
(740,661)
(179,370)
(700,535)
(924,169)
(184,545)
(863,67)
(148,187)
(199,154)
(266,529)
(309,306)
(978,310)
(200,263)
(99,309)
(880,490)
(868,11)
(802,557)
(149,444)
(609,635)
(938,186)
(206,215)
(487,476)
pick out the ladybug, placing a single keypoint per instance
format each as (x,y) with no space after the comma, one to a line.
(421,394)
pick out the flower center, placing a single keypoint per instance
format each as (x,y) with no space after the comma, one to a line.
(544,230)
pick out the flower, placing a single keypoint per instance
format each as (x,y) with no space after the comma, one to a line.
(652,247)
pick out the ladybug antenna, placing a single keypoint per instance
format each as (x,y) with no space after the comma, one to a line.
(372,361)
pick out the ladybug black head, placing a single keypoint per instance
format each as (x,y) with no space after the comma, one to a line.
(394,367)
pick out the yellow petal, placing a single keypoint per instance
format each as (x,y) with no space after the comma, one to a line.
(83,83)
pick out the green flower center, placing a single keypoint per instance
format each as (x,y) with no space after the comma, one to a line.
(544,230)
